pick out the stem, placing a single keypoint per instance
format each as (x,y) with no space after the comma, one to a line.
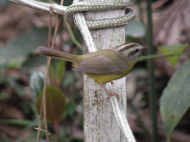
(140,11)
(161,56)
(151,77)
(72,35)
(43,103)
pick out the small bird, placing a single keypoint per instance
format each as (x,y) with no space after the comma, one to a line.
(103,65)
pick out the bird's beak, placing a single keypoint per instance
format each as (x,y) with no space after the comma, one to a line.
(144,47)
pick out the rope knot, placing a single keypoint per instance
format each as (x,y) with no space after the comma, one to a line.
(101,6)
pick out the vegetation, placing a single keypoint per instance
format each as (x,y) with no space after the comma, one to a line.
(22,75)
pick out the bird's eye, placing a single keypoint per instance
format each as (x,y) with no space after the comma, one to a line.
(137,50)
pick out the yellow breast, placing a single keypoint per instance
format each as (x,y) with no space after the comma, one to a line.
(103,78)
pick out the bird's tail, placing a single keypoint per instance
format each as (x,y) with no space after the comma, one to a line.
(58,54)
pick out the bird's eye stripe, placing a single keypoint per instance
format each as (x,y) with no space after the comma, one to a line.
(133,52)
(125,47)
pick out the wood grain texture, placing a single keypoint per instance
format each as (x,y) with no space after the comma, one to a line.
(100,124)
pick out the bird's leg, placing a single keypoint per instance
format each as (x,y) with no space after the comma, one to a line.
(111,82)
(111,93)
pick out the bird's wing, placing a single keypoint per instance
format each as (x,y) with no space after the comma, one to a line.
(100,65)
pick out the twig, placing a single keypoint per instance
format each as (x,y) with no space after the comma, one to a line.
(43,103)
(40,122)
(47,71)
(161,56)
(58,9)
(40,130)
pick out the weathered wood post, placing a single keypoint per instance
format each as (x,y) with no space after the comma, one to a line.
(100,124)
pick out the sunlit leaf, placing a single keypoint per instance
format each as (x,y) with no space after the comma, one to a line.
(55,102)
(175,99)
(172,49)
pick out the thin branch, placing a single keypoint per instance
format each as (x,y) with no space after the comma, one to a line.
(57,9)
(41,130)
(40,122)
(161,56)
(43,103)
(46,75)
(45,82)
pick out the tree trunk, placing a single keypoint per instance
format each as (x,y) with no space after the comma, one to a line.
(100,124)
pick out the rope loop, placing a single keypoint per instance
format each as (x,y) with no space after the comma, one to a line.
(101,6)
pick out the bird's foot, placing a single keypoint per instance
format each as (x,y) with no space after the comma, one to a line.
(111,93)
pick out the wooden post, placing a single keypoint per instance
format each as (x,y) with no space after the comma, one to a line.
(100,124)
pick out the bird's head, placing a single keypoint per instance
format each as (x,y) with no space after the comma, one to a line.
(131,50)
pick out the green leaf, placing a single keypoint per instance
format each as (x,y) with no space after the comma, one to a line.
(16,122)
(68,80)
(17,88)
(135,29)
(4,96)
(22,45)
(60,71)
(55,102)
(175,99)
(33,61)
(5,140)
(172,49)
(4,3)
(53,70)
(36,84)
(71,110)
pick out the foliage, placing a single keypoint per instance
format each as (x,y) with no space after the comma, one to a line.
(135,29)
(172,49)
(55,102)
(36,84)
(175,98)
(20,47)
(20,54)
(25,58)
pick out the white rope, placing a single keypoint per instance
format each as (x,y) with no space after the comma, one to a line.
(120,116)
(81,23)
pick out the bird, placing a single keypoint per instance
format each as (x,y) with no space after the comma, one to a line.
(104,65)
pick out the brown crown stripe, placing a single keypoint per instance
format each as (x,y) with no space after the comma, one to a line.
(123,47)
